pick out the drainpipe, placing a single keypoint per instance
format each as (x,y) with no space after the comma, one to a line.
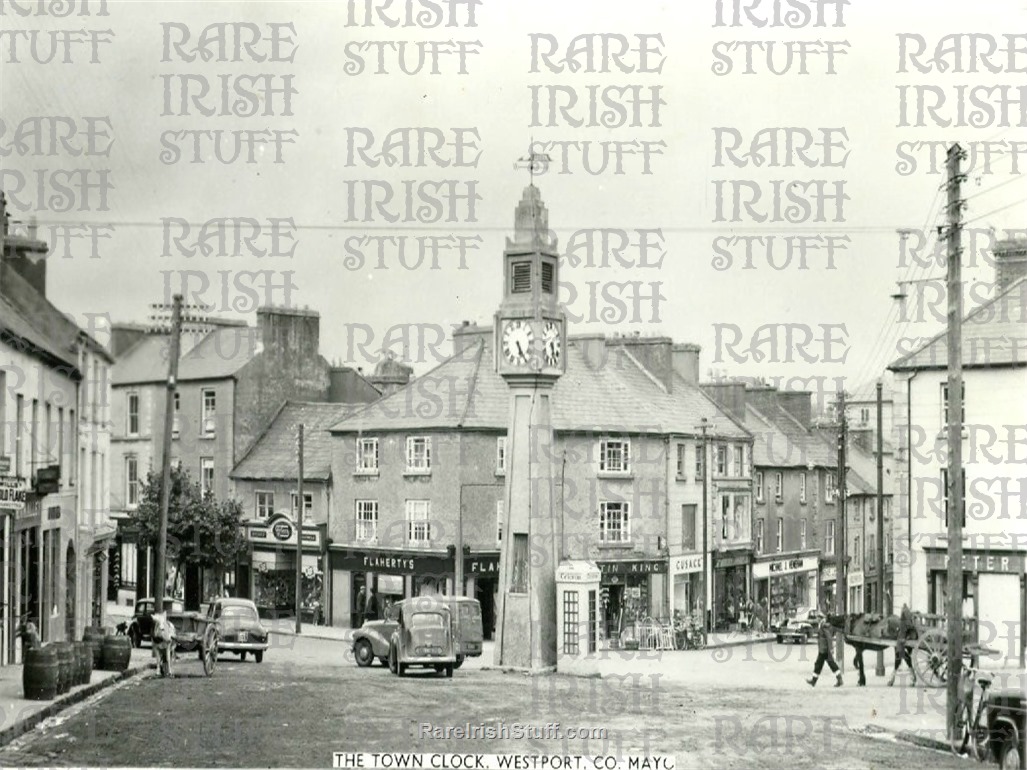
(668,589)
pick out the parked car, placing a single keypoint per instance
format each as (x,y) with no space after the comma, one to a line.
(140,628)
(423,636)
(1007,712)
(239,627)
(798,628)
(372,639)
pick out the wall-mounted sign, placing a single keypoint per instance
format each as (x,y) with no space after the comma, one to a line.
(683,565)
(391,562)
(5,465)
(282,531)
(48,480)
(482,564)
(279,531)
(12,493)
(642,567)
(53,513)
(830,574)
(979,561)
(763,570)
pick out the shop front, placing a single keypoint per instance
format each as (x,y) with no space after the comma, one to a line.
(994,592)
(12,508)
(730,587)
(631,591)
(686,584)
(393,574)
(270,575)
(784,584)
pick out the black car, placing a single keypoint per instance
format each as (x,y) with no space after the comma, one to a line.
(1007,712)
(140,629)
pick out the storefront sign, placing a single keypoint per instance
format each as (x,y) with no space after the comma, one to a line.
(5,465)
(647,567)
(12,493)
(53,513)
(682,565)
(578,572)
(979,561)
(279,531)
(482,564)
(733,560)
(830,574)
(763,570)
(394,562)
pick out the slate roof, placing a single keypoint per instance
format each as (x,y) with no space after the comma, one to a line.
(220,354)
(273,454)
(781,441)
(18,333)
(58,332)
(994,334)
(620,396)
(865,465)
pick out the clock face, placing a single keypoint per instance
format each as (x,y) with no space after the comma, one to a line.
(517,341)
(551,343)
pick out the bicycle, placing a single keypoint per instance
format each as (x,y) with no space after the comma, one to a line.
(971,730)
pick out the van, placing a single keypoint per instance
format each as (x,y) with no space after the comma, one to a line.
(467,627)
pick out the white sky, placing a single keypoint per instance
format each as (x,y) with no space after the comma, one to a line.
(494,99)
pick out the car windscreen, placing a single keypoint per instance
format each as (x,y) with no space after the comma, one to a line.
(239,613)
(426,620)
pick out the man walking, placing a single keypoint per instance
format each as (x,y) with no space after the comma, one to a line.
(824,654)
(370,605)
(907,631)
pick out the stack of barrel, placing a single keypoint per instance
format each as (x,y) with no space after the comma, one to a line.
(55,668)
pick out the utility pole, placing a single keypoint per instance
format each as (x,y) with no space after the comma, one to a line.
(299,533)
(707,587)
(841,600)
(880,499)
(169,416)
(879,607)
(955,436)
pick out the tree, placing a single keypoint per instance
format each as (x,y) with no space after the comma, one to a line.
(202,530)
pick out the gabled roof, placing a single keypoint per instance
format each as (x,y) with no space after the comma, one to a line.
(994,334)
(619,396)
(865,465)
(781,441)
(221,353)
(18,333)
(61,333)
(273,454)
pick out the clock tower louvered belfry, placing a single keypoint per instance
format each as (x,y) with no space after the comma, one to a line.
(530,342)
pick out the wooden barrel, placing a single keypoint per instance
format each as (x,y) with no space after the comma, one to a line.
(39,673)
(66,666)
(117,650)
(93,636)
(84,657)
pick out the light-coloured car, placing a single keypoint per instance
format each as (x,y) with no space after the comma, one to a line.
(799,628)
(239,627)
(423,637)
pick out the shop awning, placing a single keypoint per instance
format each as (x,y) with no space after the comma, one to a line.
(99,537)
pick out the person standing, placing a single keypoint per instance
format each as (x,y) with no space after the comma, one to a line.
(824,654)
(907,631)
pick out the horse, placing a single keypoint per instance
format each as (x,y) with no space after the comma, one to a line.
(163,637)
(873,626)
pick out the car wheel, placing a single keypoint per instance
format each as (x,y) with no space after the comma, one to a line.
(459,661)
(780,639)
(401,669)
(259,656)
(449,671)
(392,661)
(242,656)
(1010,756)
(363,653)
(384,661)
(136,637)
(439,668)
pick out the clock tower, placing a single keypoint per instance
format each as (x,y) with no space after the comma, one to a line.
(530,342)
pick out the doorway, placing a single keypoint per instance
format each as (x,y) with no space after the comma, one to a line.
(70,594)
(485,592)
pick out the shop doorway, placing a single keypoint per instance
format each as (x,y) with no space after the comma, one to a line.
(485,592)
(70,593)
(613,609)
(356,616)
(28,543)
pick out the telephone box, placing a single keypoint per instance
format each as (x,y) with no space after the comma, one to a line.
(577,616)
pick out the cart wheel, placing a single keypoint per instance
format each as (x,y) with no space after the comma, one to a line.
(930,659)
(210,654)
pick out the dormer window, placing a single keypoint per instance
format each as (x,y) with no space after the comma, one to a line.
(547,277)
(520,278)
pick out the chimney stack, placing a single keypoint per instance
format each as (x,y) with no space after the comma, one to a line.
(593,348)
(685,359)
(468,334)
(290,332)
(1010,262)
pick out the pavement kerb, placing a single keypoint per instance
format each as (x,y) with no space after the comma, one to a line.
(921,740)
(65,701)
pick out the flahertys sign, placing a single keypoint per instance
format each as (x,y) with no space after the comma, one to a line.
(12,493)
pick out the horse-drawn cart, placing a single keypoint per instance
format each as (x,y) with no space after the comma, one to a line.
(926,649)
(190,632)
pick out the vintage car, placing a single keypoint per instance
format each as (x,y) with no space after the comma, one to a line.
(1007,713)
(372,639)
(140,628)
(239,627)
(423,636)
(799,628)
